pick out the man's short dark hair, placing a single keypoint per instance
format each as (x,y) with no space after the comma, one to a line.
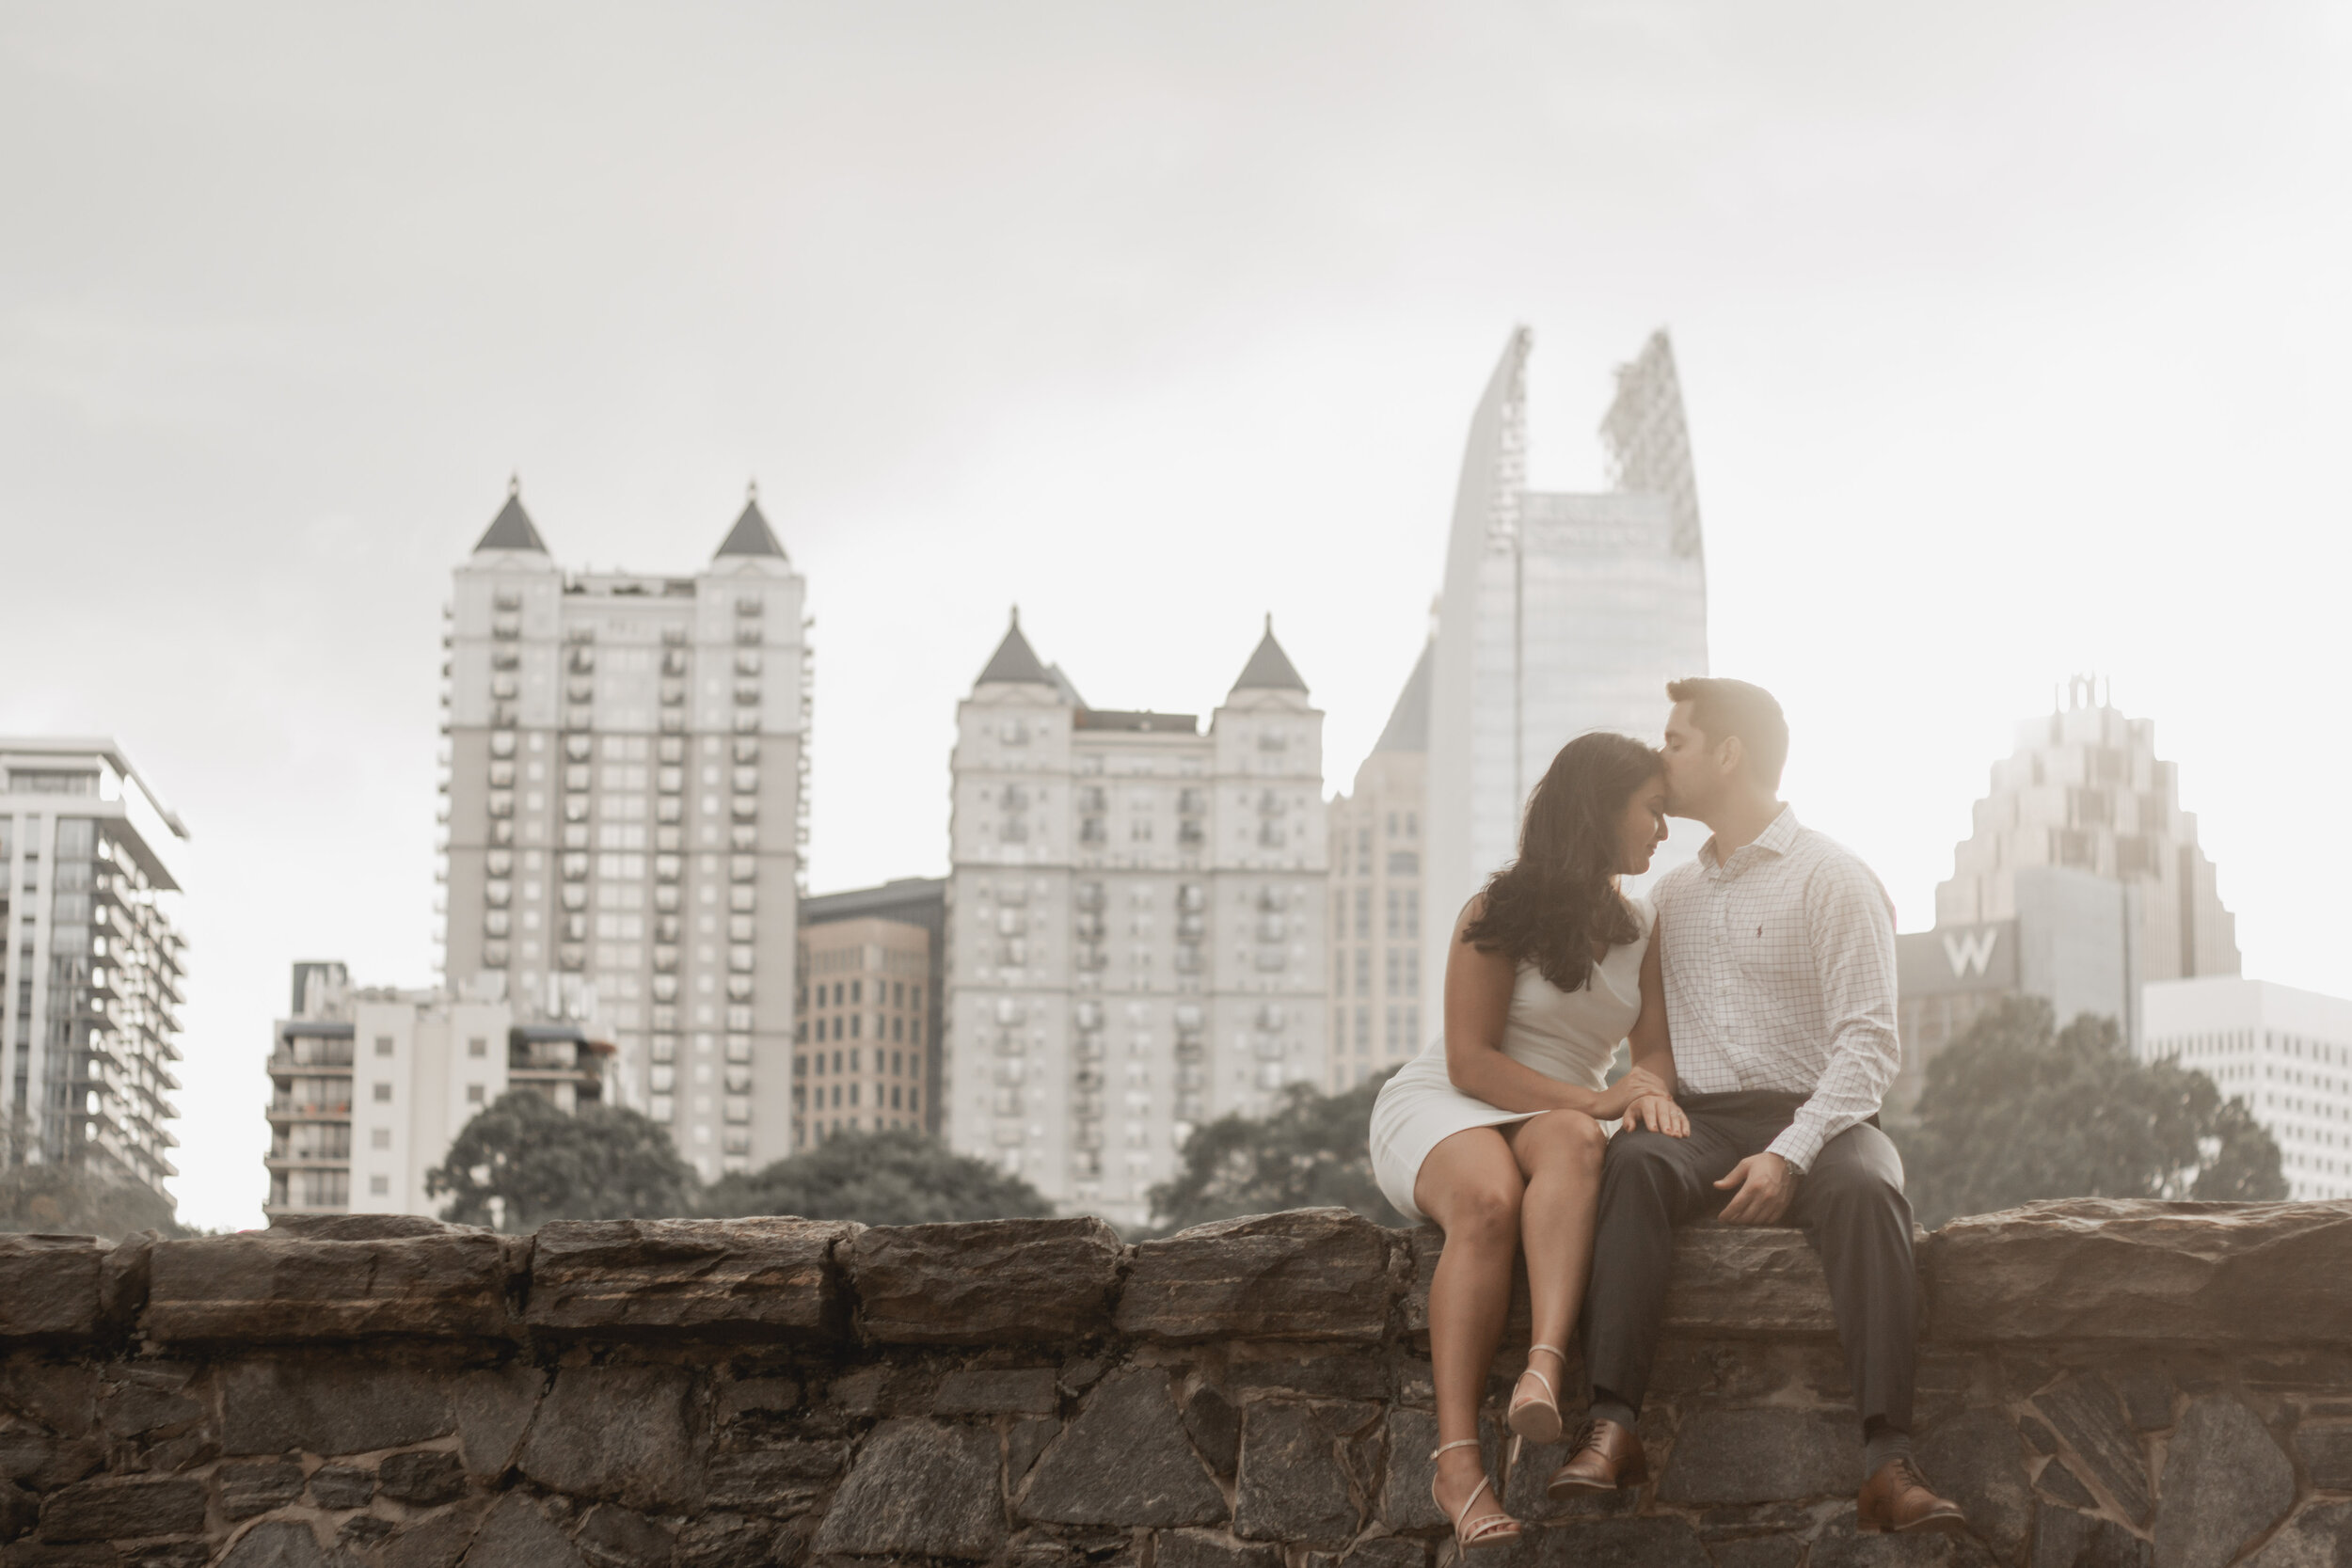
(1722,709)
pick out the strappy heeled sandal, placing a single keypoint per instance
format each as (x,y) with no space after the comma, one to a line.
(1538,1419)
(1495,1530)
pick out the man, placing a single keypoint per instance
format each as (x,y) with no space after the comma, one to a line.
(1778,948)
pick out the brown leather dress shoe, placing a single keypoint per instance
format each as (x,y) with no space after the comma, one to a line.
(1607,1456)
(1897,1498)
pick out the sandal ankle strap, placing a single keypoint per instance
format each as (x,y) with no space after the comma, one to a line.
(1457,1442)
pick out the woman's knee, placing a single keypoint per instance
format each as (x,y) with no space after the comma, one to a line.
(1483,1210)
(1567,1137)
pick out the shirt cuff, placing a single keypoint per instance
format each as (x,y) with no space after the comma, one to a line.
(1799,1144)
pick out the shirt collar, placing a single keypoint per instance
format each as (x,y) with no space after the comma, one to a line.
(1777,836)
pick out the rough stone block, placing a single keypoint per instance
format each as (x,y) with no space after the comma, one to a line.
(997,1391)
(2147,1393)
(249,1489)
(624,1433)
(2061,1485)
(18,1511)
(1747,1281)
(1214,1427)
(1760,1456)
(2065,1539)
(49,1287)
(2327,1455)
(1192,1548)
(494,1408)
(60,1395)
(2091,1269)
(731,1541)
(1124,1462)
(780,1481)
(1761,1551)
(1385,1551)
(739,1277)
(138,1410)
(1620,1544)
(1026,1437)
(329,1405)
(278,1543)
(1841,1545)
(1976,1460)
(336,1487)
(516,1534)
(1310,1273)
(2084,1413)
(272,1287)
(2319,1537)
(983,1282)
(424,1480)
(919,1489)
(1412,1437)
(610,1537)
(110,1508)
(1293,1483)
(438,1541)
(2225,1481)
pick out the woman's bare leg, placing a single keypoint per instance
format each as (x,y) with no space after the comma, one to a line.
(1558,1153)
(1471,1185)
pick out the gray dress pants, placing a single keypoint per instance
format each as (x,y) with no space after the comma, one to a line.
(1851,1205)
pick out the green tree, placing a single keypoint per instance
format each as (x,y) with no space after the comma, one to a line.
(894,1178)
(520,1162)
(64,1201)
(2016,1109)
(1315,1150)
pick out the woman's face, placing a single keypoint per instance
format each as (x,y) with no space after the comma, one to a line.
(1641,826)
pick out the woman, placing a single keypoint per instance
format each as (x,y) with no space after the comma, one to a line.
(1495,1131)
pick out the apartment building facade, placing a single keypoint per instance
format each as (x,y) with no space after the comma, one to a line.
(1378,1016)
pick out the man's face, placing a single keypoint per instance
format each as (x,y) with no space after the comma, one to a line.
(1692,776)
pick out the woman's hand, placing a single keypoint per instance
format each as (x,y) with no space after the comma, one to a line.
(1638,1083)
(1660,1114)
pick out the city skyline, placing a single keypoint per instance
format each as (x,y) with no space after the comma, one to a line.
(1153,323)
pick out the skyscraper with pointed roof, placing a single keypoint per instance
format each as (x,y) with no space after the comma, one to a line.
(626,811)
(1561,613)
(1377,871)
(1135,925)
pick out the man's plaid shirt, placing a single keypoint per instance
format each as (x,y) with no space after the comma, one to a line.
(1780,975)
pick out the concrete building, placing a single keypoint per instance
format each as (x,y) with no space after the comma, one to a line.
(1376,860)
(628,804)
(2072,939)
(370,1087)
(2086,790)
(93,961)
(865,1015)
(1135,924)
(920,902)
(2287,1053)
(1562,614)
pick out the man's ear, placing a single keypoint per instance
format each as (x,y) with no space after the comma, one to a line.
(1731,757)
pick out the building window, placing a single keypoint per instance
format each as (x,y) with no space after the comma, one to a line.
(1363,972)
(477,1046)
(473,1094)
(383,1045)
(383,1094)
(380,1137)
(379,1186)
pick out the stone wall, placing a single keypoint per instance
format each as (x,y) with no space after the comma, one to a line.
(2106,1385)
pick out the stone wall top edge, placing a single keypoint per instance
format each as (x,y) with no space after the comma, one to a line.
(2232,1276)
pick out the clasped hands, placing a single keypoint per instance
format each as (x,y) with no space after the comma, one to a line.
(1762,1186)
(1642,1099)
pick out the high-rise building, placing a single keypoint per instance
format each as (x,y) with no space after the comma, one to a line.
(369,1085)
(920,902)
(2086,790)
(2071,938)
(1375,896)
(1562,614)
(1135,924)
(859,1063)
(627,803)
(2287,1053)
(93,961)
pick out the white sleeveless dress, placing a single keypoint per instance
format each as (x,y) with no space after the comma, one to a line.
(1569,1036)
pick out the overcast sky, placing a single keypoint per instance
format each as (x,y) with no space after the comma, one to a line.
(2014,336)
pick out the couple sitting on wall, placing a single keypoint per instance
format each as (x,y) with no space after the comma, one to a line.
(1757,997)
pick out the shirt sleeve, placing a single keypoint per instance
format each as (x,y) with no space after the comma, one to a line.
(1852,928)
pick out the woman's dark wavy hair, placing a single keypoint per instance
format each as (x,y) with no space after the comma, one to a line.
(1559,900)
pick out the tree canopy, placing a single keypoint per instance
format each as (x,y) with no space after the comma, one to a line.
(2016,1109)
(1315,1149)
(65,1200)
(892,1178)
(520,1162)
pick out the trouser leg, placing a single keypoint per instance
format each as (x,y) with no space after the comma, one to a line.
(1852,1205)
(1650,1184)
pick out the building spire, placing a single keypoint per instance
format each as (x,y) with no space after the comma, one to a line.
(1014,661)
(1269,667)
(512,529)
(751,534)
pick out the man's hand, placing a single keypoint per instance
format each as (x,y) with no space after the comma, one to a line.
(1638,1083)
(1763,1187)
(1660,1114)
